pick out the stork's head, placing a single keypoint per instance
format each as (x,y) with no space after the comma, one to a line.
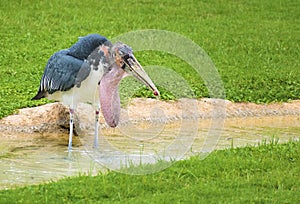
(124,58)
(120,63)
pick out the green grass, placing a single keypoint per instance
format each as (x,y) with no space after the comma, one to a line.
(268,173)
(254,44)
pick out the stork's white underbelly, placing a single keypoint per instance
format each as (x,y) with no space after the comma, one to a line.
(88,92)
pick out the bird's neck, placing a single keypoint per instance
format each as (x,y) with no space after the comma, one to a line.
(109,96)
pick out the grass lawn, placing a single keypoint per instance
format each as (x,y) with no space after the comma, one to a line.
(263,174)
(255,45)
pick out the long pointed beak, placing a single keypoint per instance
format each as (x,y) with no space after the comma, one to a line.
(139,73)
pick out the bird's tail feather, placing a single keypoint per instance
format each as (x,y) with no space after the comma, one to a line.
(39,95)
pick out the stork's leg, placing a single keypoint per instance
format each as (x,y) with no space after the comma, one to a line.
(96,145)
(71,128)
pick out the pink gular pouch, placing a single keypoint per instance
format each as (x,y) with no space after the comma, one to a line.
(121,63)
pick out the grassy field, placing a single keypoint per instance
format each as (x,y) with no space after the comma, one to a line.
(254,45)
(263,174)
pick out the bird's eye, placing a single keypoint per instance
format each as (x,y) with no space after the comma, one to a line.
(123,65)
(124,61)
(125,57)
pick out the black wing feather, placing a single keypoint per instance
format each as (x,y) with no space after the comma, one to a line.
(61,72)
(68,68)
(86,45)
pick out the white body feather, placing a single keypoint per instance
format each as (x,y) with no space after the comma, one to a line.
(86,93)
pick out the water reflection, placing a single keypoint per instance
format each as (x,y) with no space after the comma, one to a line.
(34,158)
(30,160)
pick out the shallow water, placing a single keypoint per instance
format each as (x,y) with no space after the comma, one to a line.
(35,158)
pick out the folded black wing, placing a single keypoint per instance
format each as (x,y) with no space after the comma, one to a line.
(69,67)
(62,72)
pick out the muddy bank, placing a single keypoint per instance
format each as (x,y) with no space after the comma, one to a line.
(54,118)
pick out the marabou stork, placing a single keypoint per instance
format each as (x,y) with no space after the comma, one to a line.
(90,72)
